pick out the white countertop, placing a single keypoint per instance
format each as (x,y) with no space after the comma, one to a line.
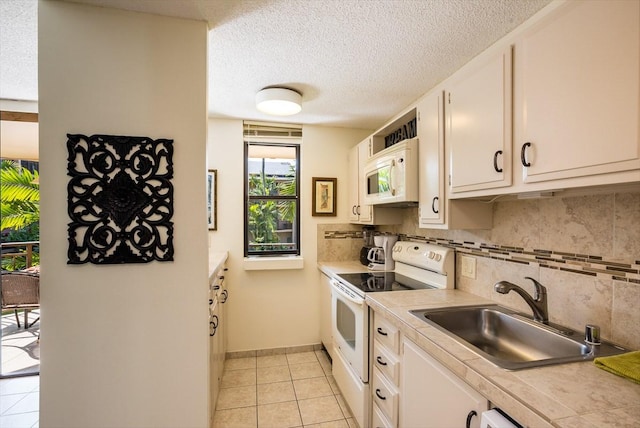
(216,260)
(331,268)
(573,395)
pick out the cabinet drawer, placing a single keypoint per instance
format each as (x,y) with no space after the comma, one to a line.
(379,420)
(386,334)
(386,362)
(385,396)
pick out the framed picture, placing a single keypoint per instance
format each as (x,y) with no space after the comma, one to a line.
(324,196)
(212,198)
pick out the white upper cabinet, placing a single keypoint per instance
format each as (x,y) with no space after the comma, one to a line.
(357,157)
(431,159)
(435,210)
(577,82)
(478,125)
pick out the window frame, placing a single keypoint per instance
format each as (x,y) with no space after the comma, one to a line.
(248,198)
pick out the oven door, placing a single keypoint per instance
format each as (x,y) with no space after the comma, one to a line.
(350,326)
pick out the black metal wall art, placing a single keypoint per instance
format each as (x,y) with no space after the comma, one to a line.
(120,199)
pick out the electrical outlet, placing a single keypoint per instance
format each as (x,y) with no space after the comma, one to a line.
(469,267)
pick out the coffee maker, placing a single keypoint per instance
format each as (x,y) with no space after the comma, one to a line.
(380,257)
(367,238)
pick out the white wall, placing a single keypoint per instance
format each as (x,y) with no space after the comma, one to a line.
(123,345)
(275,309)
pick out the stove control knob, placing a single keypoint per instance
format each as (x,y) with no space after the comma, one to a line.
(431,254)
(438,257)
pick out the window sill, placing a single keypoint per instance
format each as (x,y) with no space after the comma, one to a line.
(273,263)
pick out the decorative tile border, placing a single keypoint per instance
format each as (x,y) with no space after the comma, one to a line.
(583,264)
(343,234)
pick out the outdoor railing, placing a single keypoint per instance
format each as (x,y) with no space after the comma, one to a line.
(16,250)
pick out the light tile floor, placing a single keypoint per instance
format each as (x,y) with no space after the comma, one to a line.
(281,391)
(277,391)
(19,402)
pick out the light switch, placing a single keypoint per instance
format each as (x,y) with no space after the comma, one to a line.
(469,267)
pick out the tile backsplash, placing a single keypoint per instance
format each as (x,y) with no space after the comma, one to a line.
(585,250)
(339,242)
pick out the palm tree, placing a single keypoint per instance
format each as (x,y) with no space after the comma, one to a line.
(19,210)
(264,215)
(288,188)
(19,196)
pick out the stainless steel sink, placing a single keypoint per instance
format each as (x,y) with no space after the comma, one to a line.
(511,340)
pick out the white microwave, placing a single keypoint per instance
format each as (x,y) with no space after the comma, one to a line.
(391,175)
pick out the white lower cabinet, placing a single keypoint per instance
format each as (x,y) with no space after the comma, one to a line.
(431,396)
(385,373)
(385,397)
(218,295)
(379,420)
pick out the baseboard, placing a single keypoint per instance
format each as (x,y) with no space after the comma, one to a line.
(274,351)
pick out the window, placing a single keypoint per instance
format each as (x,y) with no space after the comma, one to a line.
(272,191)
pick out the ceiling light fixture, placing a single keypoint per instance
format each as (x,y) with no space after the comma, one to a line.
(279,101)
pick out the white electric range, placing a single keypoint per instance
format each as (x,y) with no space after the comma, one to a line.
(417,266)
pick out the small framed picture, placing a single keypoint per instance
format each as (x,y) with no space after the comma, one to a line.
(212,198)
(324,196)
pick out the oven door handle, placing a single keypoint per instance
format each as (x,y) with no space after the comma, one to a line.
(335,285)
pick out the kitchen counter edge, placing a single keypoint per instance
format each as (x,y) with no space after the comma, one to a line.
(216,261)
(568,395)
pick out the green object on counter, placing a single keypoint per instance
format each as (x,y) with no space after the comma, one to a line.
(625,365)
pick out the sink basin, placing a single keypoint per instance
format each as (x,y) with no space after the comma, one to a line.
(511,340)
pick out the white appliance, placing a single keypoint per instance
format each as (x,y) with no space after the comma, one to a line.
(417,266)
(495,419)
(381,256)
(391,175)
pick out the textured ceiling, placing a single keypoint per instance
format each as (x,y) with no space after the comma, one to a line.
(356,62)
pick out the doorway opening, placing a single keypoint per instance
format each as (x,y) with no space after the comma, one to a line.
(19,245)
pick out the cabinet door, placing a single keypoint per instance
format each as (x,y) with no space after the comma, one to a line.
(222,331)
(354,188)
(357,158)
(365,212)
(214,353)
(578,79)
(433,397)
(479,111)
(431,160)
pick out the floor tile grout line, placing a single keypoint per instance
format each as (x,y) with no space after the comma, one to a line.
(14,405)
(297,400)
(295,394)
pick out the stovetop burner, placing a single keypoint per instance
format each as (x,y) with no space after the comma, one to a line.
(370,282)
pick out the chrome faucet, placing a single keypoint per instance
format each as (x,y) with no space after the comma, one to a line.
(538,302)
